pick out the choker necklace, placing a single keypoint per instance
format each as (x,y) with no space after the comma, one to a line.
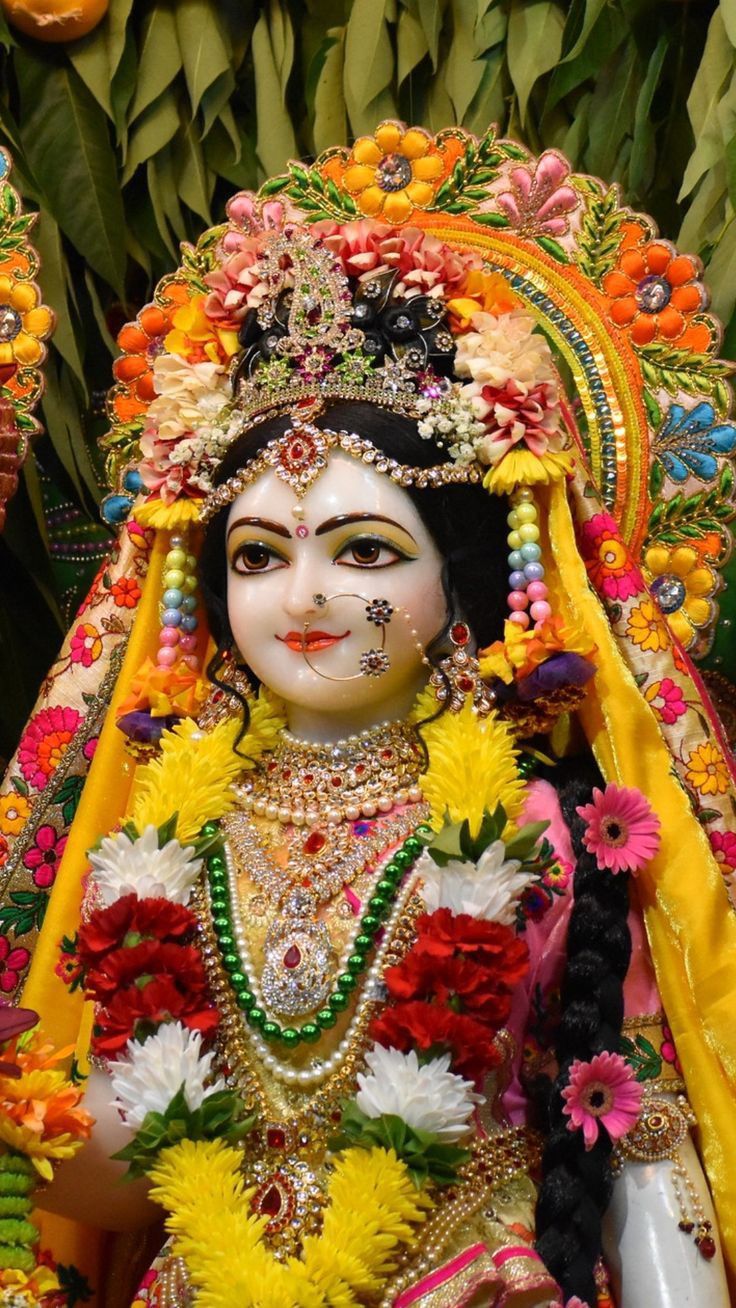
(308,784)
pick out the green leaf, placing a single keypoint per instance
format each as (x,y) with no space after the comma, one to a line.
(67,144)
(368,55)
(47,239)
(202,46)
(411,45)
(463,72)
(722,272)
(25,912)
(714,73)
(423,1154)
(91,59)
(159,60)
(330,113)
(534,44)
(612,109)
(68,796)
(273,52)
(522,844)
(430,16)
(218,1117)
(152,131)
(193,178)
(643,149)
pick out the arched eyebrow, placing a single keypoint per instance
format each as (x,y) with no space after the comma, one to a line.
(265,523)
(345,519)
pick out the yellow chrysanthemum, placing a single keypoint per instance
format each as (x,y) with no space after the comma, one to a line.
(196,338)
(522,468)
(394,172)
(23,323)
(683,586)
(39,1110)
(194,772)
(167,517)
(372,1206)
(472,767)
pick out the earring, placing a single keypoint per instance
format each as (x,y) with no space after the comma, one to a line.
(224,699)
(457,677)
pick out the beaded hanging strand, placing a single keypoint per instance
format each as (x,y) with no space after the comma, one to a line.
(526,579)
(179,621)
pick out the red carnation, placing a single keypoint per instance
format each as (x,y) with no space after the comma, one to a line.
(107,928)
(444,934)
(150,958)
(457,983)
(136,1013)
(422,1026)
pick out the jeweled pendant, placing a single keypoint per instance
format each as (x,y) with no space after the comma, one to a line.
(300,960)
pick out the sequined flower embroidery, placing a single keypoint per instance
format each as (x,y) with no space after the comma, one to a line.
(23,324)
(607,560)
(690,441)
(654,291)
(394,172)
(683,587)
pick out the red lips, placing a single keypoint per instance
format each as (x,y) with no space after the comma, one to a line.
(311,641)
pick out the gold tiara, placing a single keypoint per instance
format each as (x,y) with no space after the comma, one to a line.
(301,455)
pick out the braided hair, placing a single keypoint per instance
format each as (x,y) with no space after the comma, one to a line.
(577,1183)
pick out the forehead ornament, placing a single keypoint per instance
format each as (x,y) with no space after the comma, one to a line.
(302,453)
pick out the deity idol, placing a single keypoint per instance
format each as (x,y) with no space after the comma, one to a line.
(394,953)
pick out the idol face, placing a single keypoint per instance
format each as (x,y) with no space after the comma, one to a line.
(353,538)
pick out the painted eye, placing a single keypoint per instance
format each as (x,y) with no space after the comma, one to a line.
(369,552)
(254,556)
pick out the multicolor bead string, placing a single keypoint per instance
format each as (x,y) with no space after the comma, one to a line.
(179,623)
(526,579)
(377,909)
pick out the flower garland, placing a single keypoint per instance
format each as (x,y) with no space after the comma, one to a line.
(405,1132)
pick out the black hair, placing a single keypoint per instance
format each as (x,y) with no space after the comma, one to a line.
(577,1183)
(466,524)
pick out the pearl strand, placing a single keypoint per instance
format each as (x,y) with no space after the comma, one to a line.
(309,1077)
(177,639)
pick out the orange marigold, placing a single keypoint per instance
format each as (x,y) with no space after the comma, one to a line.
(654,291)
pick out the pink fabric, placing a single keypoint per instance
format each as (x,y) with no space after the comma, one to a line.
(547,941)
(442,1274)
(514,1251)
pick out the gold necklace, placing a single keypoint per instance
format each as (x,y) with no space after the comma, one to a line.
(307,784)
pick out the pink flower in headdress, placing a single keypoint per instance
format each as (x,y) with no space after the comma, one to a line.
(539,201)
(602,1092)
(513,414)
(427,266)
(359,245)
(622,831)
(237,285)
(252,215)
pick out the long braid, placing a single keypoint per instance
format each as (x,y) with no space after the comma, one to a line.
(577,1184)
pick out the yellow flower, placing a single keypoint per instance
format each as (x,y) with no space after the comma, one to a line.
(23,323)
(472,767)
(167,517)
(683,587)
(707,769)
(522,468)
(394,172)
(494,662)
(41,1281)
(14,812)
(481,292)
(647,628)
(196,338)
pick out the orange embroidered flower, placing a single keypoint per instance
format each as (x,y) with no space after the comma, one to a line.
(14,812)
(196,338)
(683,587)
(141,342)
(647,628)
(707,769)
(23,324)
(126,592)
(394,172)
(654,291)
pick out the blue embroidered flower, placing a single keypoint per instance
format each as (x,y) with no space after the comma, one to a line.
(690,441)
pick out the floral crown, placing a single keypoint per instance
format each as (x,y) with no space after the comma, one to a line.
(295,317)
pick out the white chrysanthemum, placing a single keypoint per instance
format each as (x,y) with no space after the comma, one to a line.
(148,1077)
(428,1097)
(122,866)
(503,347)
(489,889)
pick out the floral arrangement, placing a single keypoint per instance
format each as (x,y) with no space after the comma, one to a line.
(41,1123)
(503,410)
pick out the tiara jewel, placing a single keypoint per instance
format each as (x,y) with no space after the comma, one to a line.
(301,454)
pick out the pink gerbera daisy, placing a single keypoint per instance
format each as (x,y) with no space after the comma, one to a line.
(622,831)
(603,1092)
